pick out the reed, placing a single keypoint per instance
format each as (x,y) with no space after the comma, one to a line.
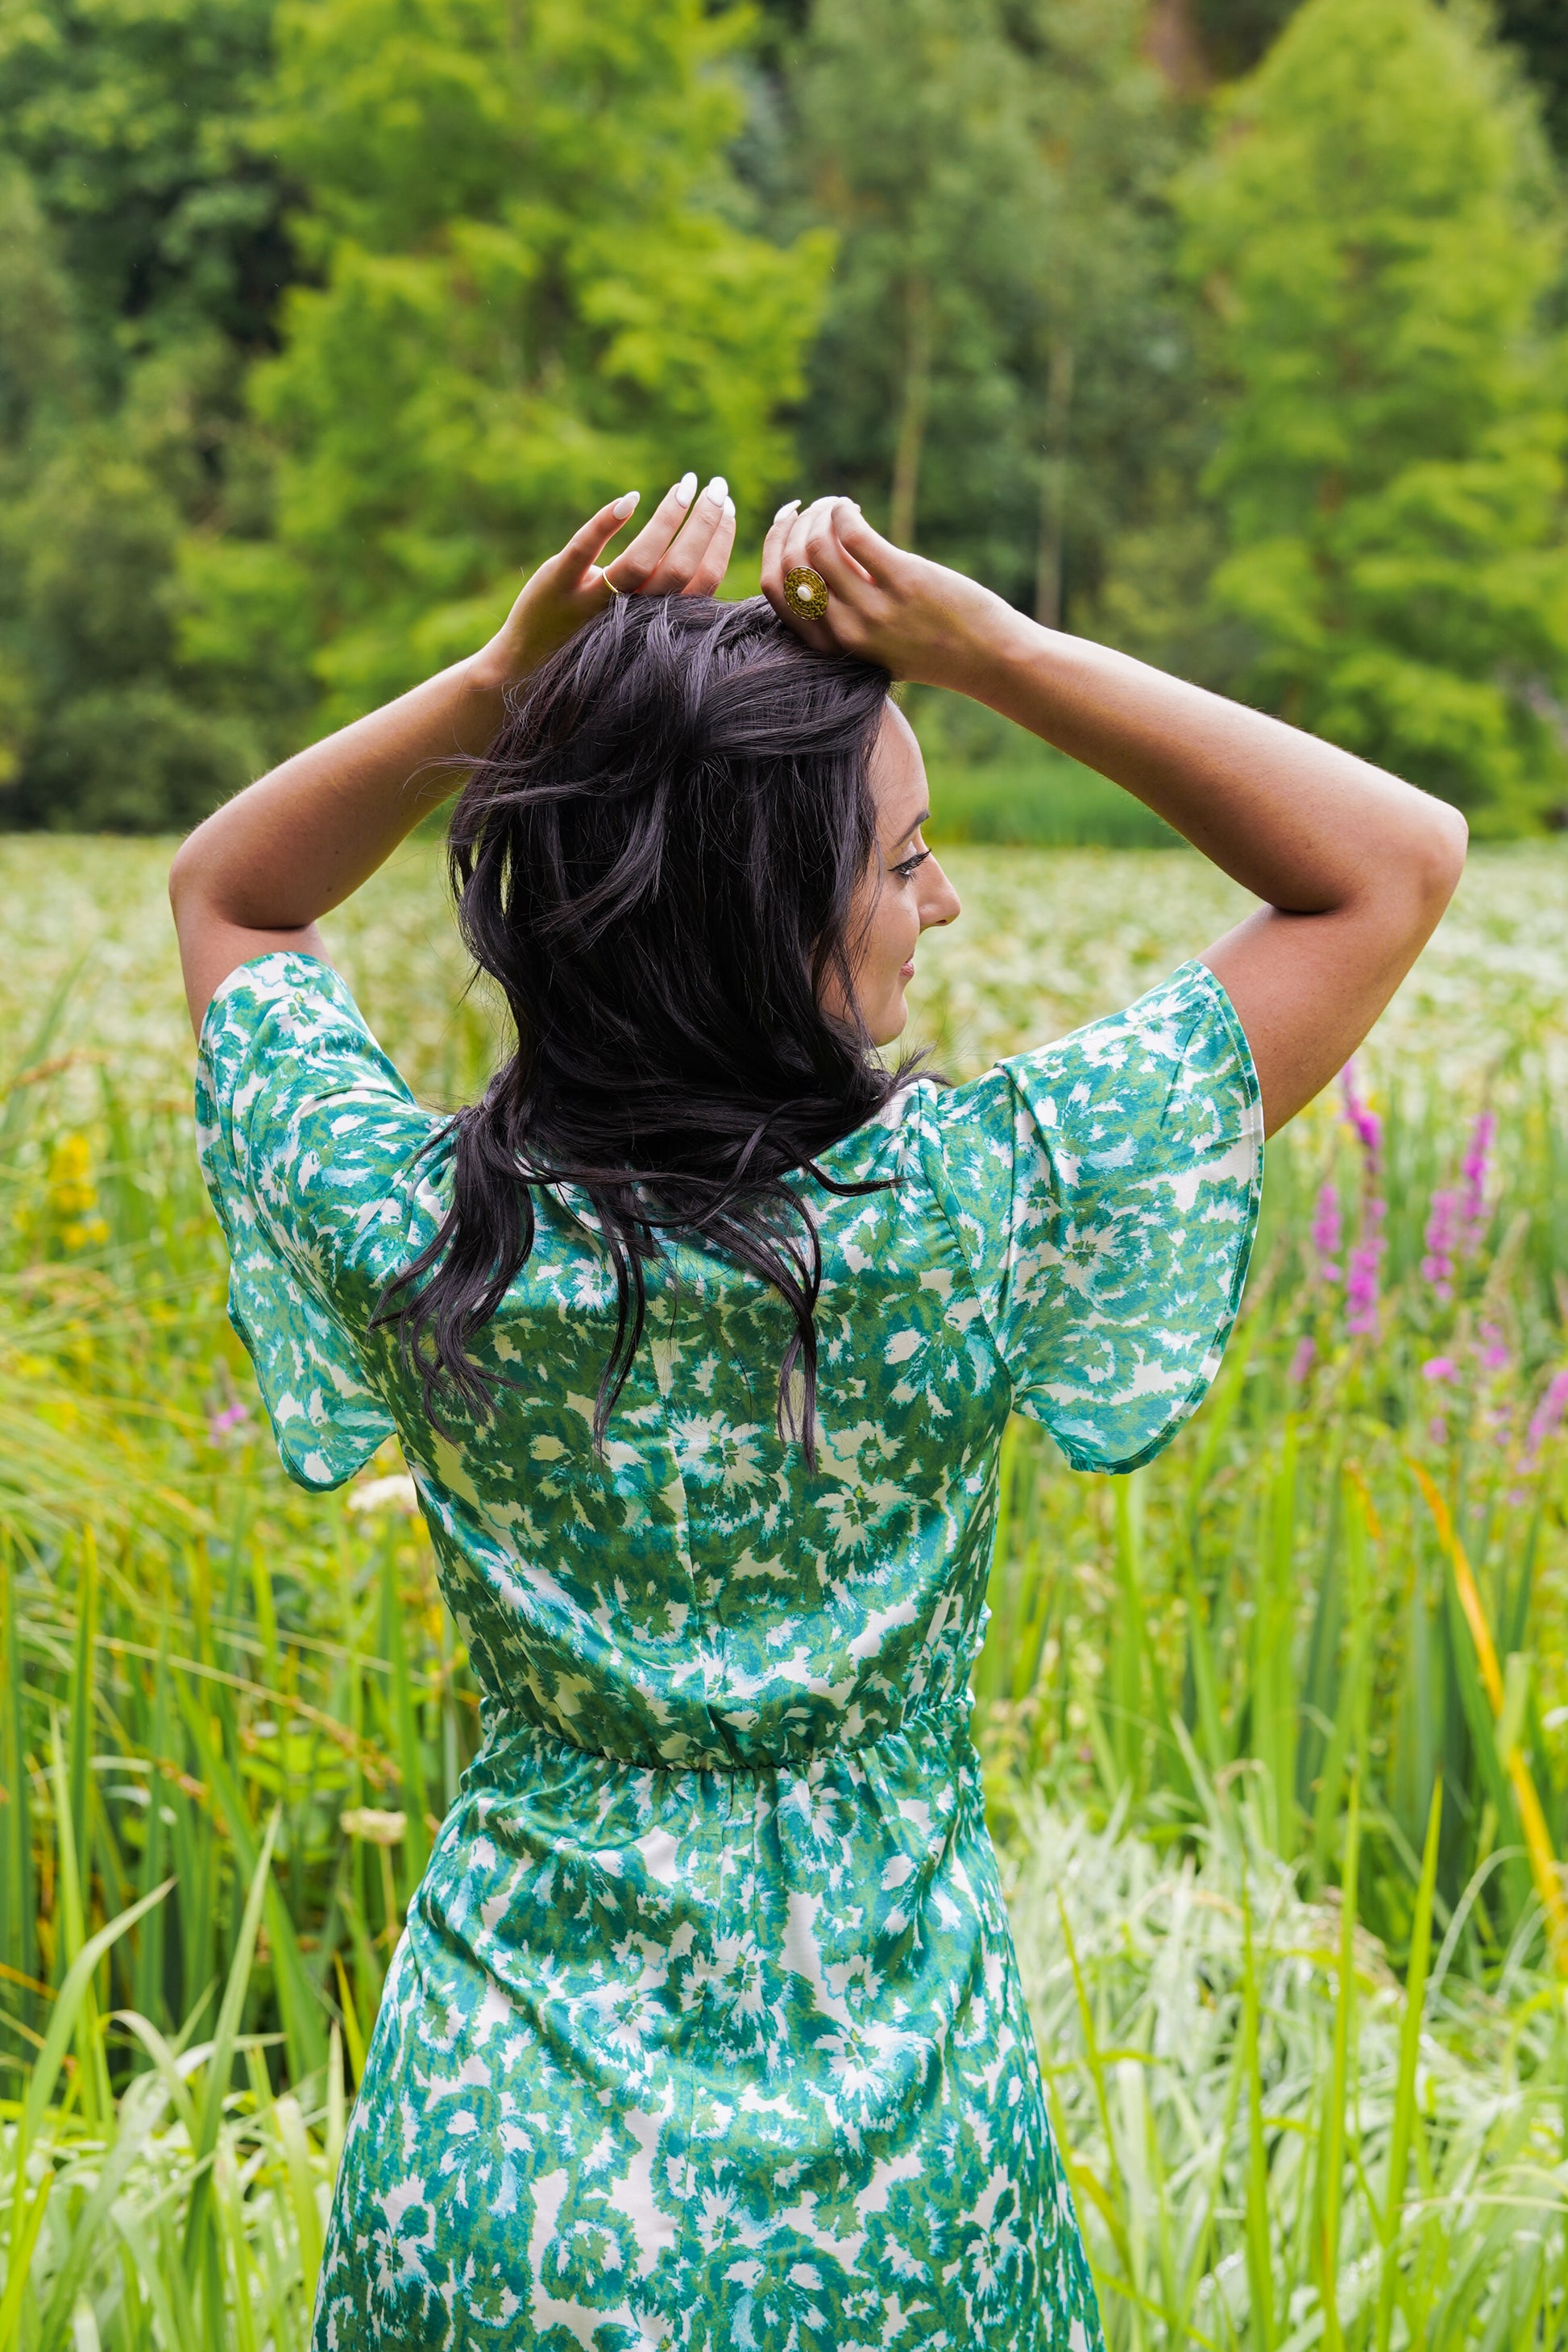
(1350,1564)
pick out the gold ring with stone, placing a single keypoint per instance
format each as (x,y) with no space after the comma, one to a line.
(807,591)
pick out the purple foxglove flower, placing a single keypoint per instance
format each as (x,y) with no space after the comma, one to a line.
(1365,1121)
(1326,1232)
(1474,1169)
(1362,1286)
(1547,1418)
(1442,1239)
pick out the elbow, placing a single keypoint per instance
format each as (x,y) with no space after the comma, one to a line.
(184,875)
(1422,874)
(1440,860)
(1411,878)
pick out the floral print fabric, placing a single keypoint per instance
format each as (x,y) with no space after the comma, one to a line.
(705,2029)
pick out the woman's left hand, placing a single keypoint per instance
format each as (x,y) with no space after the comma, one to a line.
(683,550)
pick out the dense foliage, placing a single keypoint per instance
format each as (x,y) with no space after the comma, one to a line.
(1376,233)
(319,322)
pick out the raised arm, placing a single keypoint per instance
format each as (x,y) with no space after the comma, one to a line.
(259,873)
(1354,867)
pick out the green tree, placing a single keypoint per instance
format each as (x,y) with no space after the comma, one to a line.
(1235,33)
(916,149)
(140,252)
(134,125)
(1003,343)
(1105,355)
(534,291)
(1379,235)
(1538,29)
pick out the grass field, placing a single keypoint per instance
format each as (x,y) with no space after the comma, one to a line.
(1274,1730)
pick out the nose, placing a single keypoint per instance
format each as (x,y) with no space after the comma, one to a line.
(940,903)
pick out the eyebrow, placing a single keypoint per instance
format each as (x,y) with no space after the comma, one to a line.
(923,818)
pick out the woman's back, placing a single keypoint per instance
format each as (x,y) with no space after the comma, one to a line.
(1067,1233)
(715,1910)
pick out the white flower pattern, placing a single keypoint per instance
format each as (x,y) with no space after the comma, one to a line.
(705,2029)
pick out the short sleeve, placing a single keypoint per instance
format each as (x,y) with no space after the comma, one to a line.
(310,1144)
(1103,1193)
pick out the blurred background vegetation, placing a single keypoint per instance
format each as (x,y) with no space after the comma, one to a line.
(1230,330)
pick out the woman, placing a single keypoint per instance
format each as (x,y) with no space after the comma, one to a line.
(699,1333)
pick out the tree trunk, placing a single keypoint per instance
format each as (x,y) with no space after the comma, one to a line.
(1054,486)
(913,422)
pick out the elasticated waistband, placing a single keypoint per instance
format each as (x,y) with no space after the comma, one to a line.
(940,1723)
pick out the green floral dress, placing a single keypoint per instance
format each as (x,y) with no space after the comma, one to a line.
(705,2029)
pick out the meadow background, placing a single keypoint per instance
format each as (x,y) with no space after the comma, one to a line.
(1230,330)
(1273,1729)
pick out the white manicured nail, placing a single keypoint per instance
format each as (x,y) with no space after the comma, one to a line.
(686,490)
(728,509)
(623,507)
(790,506)
(717,490)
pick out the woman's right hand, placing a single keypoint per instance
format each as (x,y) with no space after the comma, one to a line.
(914,618)
(682,549)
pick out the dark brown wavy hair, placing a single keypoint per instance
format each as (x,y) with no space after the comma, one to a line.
(656,862)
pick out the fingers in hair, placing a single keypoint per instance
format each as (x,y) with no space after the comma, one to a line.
(715,558)
(584,546)
(825,551)
(635,565)
(679,565)
(772,553)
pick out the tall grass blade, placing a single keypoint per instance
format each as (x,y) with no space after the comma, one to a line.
(140,2114)
(1332,2162)
(16,1828)
(1405,2121)
(303,2017)
(220,2062)
(1532,1821)
(1259,2256)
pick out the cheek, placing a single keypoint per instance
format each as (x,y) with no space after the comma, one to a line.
(905,924)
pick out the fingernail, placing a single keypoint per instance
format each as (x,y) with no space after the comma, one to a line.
(686,490)
(717,490)
(790,506)
(728,509)
(623,507)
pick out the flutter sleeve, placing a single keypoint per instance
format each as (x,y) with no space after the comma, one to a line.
(310,1143)
(1103,1193)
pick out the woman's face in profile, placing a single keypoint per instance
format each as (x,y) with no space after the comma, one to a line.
(904,890)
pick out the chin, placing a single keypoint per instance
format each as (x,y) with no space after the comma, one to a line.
(891,1027)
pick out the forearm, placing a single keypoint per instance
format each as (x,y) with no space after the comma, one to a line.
(1303,825)
(302,839)
(261,871)
(1354,867)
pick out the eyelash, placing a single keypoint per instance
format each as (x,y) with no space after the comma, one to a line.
(906,871)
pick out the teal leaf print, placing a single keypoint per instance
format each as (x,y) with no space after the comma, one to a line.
(705,2029)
